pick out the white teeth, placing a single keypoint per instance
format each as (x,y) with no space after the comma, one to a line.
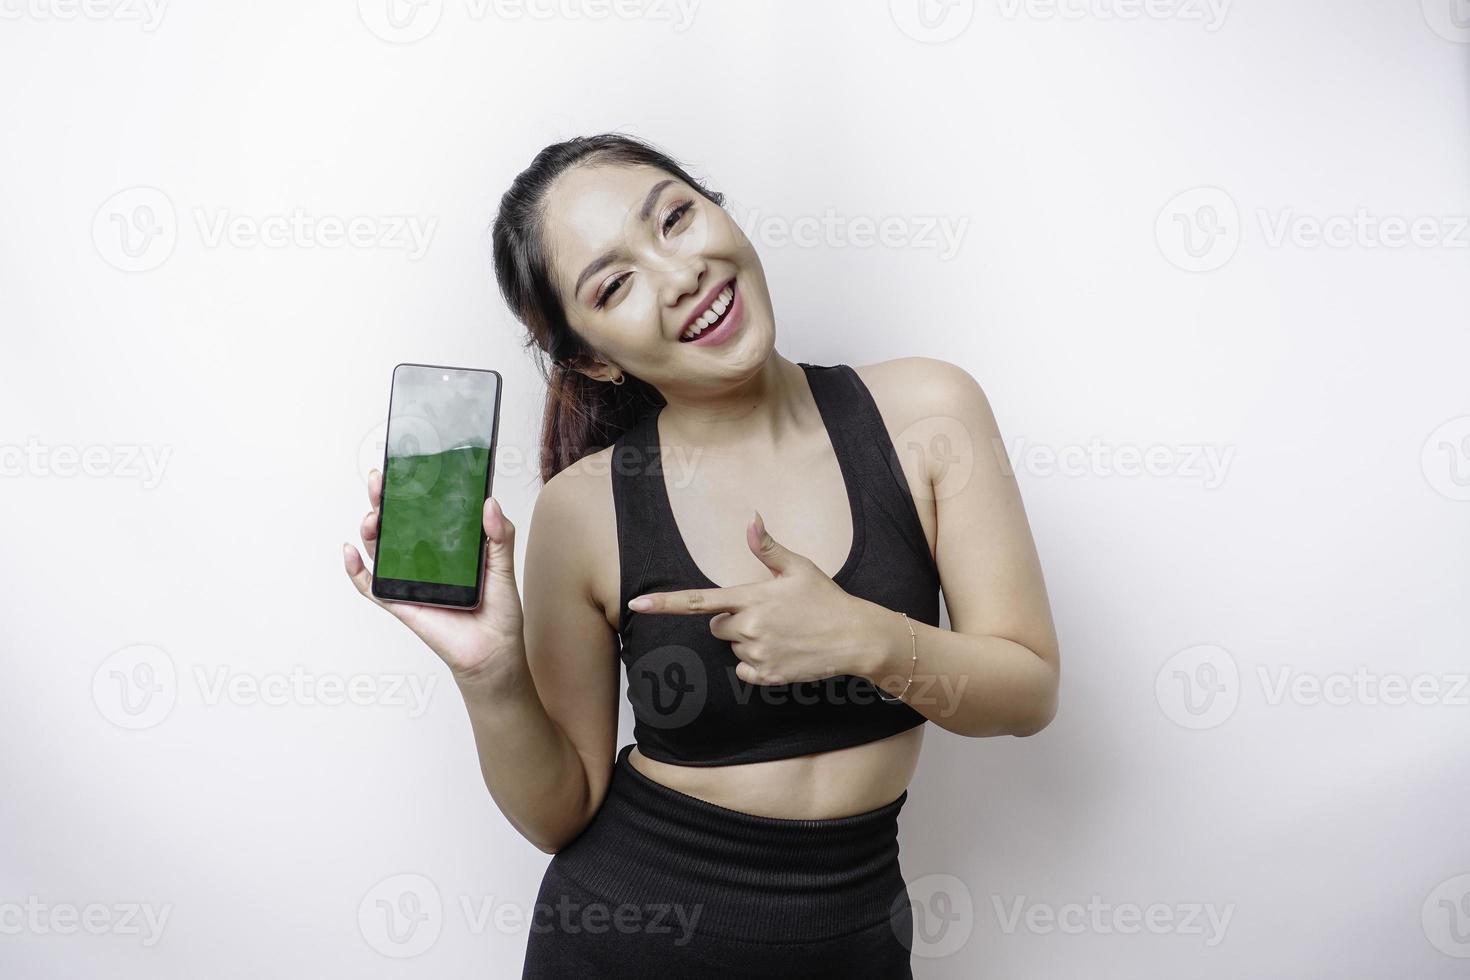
(717,309)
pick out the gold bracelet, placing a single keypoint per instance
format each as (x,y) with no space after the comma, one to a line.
(913,642)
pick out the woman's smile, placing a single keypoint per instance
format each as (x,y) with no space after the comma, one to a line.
(718,321)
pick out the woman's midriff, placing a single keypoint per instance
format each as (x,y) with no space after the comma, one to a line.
(839,783)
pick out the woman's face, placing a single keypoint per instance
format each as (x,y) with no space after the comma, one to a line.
(636,255)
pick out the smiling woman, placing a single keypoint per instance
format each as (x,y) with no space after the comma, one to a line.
(777,718)
(584,411)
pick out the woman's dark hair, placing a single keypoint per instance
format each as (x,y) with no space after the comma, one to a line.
(581,415)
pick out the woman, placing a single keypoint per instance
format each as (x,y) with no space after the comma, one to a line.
(751,829)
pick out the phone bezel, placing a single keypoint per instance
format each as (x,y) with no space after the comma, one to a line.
(435,593)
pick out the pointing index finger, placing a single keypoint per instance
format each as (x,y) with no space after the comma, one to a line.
(690,602)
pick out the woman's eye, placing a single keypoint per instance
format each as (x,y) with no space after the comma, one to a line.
(612,287)
(676,214)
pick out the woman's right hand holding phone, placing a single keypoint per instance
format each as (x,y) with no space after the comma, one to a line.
(475,643)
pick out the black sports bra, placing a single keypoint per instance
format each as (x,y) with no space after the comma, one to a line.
(689,706)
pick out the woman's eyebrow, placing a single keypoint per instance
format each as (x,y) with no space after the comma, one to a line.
(609,257)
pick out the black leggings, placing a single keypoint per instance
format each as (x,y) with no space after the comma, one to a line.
(665,885)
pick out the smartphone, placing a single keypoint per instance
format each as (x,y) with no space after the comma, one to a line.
(438,460)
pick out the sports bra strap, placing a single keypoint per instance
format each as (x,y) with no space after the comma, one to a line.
(868,447)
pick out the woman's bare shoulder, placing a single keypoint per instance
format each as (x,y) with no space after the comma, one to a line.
(908,389)
(919,398)
(574,519)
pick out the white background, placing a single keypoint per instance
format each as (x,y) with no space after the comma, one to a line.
(1102,312)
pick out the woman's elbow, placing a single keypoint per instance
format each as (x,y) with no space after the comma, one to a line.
(1043,706)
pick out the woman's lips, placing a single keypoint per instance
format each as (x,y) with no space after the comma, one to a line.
(725,328)
(708,301)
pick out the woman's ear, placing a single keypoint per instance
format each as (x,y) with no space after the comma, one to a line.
(592,368)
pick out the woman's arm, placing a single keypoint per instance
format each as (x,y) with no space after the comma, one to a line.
(996,670)
(545,727)
(539,679)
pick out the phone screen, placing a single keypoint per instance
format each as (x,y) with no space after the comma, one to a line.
(437,466)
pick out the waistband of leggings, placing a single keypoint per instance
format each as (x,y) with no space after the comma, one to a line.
(779,879)
(756,835)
